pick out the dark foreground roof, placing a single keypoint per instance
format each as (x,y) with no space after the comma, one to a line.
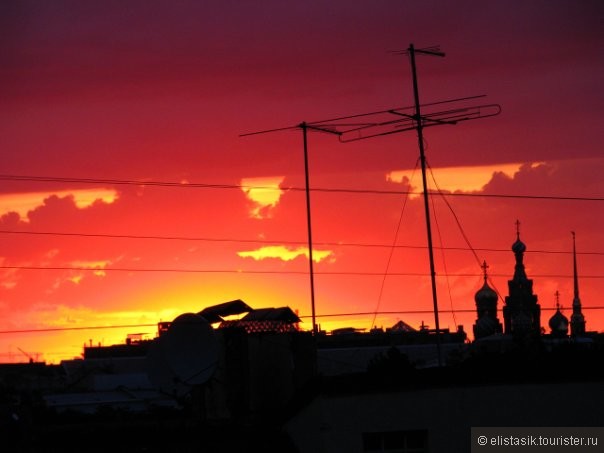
(216,313)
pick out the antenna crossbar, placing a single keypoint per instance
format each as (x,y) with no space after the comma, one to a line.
(382,123)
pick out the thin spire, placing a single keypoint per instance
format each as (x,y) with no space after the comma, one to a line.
(575,275)
(577,320)
(519,248)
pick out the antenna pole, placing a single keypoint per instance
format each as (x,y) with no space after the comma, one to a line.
(304,128)
(420,139)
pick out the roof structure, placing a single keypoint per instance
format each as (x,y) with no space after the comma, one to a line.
(402,326)
(280,320)
(216,313)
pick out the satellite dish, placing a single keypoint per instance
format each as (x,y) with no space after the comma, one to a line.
(157,370)
(186,355)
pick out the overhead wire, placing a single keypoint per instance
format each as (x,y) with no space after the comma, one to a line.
(185,185)
(392,249)
(276,241)
(320,315)
(461,230)
(280,271)
(444,261)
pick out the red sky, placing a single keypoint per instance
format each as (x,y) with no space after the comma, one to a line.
(149,91)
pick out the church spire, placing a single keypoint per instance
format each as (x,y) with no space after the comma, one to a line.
(575,277)
(521,313)
(519,248)
(577,320)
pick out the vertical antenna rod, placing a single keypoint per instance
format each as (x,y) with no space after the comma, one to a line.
(304,128)
(420,139)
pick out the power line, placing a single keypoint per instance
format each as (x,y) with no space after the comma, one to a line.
(421,312)
(392,249)
(281,272)
(62,329)
(121,182)
(444,261)
(192,185)
(324,315)
(455,217)
(152,237)
(276,241)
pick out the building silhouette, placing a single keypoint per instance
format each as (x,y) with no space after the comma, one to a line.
(249,378)
(487,322)
(521,313)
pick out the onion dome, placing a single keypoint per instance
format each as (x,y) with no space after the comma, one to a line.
(558,323)
(518,247)
(486,295)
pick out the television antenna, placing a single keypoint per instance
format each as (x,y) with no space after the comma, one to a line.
(305,127)
(32,357)
(392,121)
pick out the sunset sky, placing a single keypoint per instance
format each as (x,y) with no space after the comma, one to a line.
(128,194)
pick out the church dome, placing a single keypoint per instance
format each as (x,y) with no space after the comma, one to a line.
(485,295)
(518,246)
(558,323)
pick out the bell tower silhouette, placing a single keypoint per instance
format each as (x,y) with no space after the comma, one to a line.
(521,313)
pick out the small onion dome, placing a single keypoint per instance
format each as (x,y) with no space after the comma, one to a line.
(558,323)
(485,295)
(518,246)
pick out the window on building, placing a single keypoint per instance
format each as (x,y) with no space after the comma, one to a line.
(413,441)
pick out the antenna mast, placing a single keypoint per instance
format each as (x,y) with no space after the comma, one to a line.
(420,138)
(393,121)
(29,356)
